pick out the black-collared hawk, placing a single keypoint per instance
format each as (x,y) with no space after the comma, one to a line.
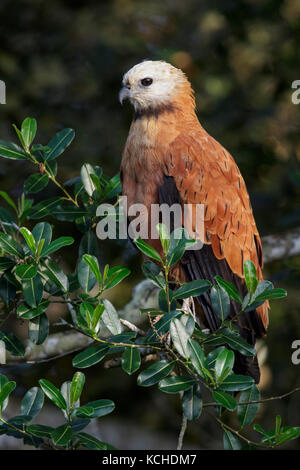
(169,158)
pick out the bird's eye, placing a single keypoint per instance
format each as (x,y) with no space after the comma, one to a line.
(146,81)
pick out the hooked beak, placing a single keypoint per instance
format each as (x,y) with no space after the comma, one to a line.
(124,93)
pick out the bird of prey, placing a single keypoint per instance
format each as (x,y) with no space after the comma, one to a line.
(169,158)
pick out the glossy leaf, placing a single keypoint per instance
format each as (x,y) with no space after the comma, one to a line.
(225,400)
(191,289)
(10,246)
(147,249)
(131,360)
(57,245)
(62,435)
(230,289)
(155,373)
(224,364)
(26,271)
(12,343)
(110,318)
(55,274)
(33,291)
(35,183)
(12,151)
(250,276)
(220,302)
(192,402)
(247,413)
(38,328)
(230,441)
(90,356)
(32,402)
(53,393)
(59,143)
(236,383)
(179,337)
(86,277)
(28,131)
(176,384)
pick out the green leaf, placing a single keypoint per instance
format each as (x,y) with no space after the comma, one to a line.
(62,435)
(91,443)
(220,302)
(86,171)
(7,388)
(44,208)
(131,360)
(29,239)
(225,400)
(12,343)
(90,356)
(10,246)
(6,263)
(272,294)
(33,291)
(89,272)
(224,364)
(197,357)
(101,407)
(115,275)
(161,326)
(147,249)
(89,245)
(53,393)
(191,289)
(233,339)
(230,289)
(32,402)
(247,413)
(192,402)
(42,231)
(26,271)
(236,383)
(250,276)
(7,290)
(59,143)
(12,151)
(28,131)
(176,384)
(230,441)
(76,387)
(153,272)
(110,318)
(179,242)
(39,430)
(155,373)
(27,313)
(179,337)
(164,237)
(57,245)
(84,411)
(38,329)
(55,274)
(9,200)
(35,183)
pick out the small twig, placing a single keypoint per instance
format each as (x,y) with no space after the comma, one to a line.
(244,403)
(132,327)
(182,432)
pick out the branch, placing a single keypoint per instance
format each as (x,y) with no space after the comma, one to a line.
(145,295)
(281,245)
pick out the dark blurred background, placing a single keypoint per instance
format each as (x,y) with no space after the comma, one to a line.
(62,62)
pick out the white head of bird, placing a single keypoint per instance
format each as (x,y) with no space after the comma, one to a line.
(152,84)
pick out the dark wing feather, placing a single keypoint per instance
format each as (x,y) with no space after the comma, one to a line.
(203,264)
